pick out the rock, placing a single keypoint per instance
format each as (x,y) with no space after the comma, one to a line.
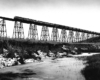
(5,52)
(29,60)
(51,54)
(7,62)
(1,66)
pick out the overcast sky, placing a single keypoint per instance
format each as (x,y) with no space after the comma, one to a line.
(84,14)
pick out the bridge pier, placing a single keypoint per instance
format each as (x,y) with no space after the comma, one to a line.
(77,34)
(87,36)
(33,34)
(63,35)
(18,31)
(55,35)
(70,36)
(74,36)
(45,34)
(82,36)
(3,31)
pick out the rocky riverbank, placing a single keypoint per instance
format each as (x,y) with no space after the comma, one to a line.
(58,69)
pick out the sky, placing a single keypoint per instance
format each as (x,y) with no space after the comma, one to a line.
(83,14)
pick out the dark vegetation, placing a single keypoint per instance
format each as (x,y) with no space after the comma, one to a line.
(92,70)
(25,48)
(19,76)
(94,40)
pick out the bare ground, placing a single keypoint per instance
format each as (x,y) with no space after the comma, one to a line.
(59,69)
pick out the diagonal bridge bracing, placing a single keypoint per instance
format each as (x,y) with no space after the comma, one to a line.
(59,33)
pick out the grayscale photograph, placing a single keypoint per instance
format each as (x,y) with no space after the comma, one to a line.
(49,39)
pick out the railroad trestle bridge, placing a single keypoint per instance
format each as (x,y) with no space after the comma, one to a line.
(66,35)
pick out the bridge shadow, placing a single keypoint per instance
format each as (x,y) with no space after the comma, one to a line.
(19,76)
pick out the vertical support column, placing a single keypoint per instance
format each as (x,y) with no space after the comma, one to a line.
(33,34)
(55,35)
(87,35)
(77,36)
(3,31)
(73,36)
(82,36)
(18,31)
(63,35)
(45,34)
(70,36)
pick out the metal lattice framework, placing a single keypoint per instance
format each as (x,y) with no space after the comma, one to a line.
(67,34)
(33,33)
(18,31)
(70,36)
(3,31)
(63,36)
(55,35)
(77,36)
(83,36)
(45,34)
